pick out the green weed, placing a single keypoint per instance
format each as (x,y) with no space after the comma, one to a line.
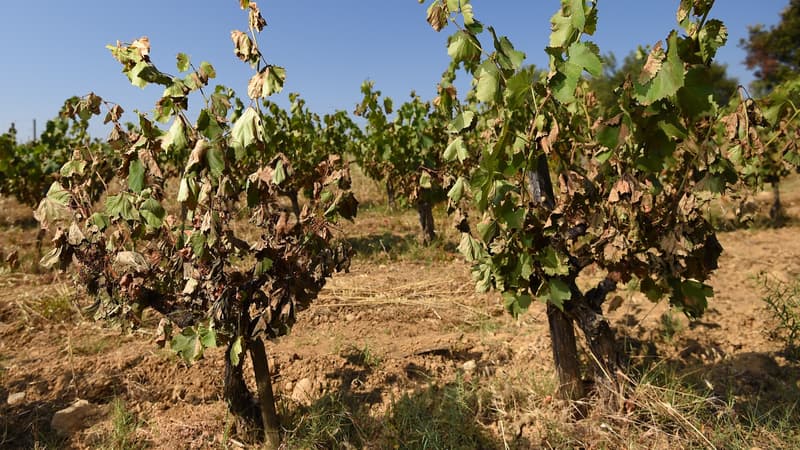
(783,302)
(327,424)
(124,424)
(92,346)
(447,417)
(671,325)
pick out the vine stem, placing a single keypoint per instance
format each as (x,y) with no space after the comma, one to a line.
(266,398)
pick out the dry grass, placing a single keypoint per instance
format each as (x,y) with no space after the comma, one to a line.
(432,293)
(663,406)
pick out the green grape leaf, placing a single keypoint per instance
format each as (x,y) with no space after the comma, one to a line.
(552,262)
(187,192)
(513,217)
(262,266)
(266,82)
(463,121)
(236,351)
(192,341)
(487,230)
(651,289)
(662,75)
(177,89)
(525,266)
(581,56)
(245,132)
(198,243)
(712,36)
(507,56)
(208,336)
(488,82)
(568,23)
(470,248)
(101,221)
(145,72)
(72,167)
(457,191)
(153,213)
(468,13)
(518,89)
(456,149)
(695,297)
(175,139)
(136,176)
(215,161)
(608,137)
(516,303)
(208,126)
(279,174)
(586,56)
(463,47)
(183,62)
(425,180)
(207,70)
(557,292)
(122,206)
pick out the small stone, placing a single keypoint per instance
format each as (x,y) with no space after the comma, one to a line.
(470,366)
(73,418)
(15,398)
(178,393)
(302,392)
(350,317)
(274,367)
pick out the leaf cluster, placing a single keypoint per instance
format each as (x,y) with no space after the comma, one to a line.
(187,255)
(762,135)
(28,169)
(407,146)
(565,181)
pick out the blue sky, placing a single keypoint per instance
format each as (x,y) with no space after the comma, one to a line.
(54,49)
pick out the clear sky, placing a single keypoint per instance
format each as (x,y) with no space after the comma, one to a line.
(54,49)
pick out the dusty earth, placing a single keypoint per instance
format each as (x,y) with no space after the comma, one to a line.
(404,322)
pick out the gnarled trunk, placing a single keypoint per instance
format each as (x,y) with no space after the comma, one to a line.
(599,336)
(425,210)
(390,194)
(240,400)
(266,398)
(254,414)
(565,354)
(293,197)
(776,211)
(586,311)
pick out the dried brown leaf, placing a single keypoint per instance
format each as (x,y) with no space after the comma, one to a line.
(143,46)
(437,16)
(653,63)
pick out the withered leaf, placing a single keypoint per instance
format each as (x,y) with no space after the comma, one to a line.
(653,63)
(142,45)
(437,16)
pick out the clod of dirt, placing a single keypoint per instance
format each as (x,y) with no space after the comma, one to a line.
(15,398)
(74,418)
(469,366)
(303,392)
